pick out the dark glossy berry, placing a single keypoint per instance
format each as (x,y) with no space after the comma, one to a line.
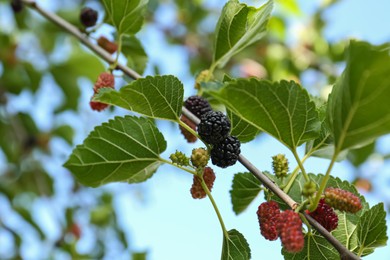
(197,105)
(226,153)
(289,227)
(88,17)
(280,165)
(325,215)
(342,200)
(214,127)
(199,157)
(268,215)
(107,45)
(187,135)
(197,191)
(17,6)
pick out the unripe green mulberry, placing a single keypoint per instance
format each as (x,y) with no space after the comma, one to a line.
(180,158)
(280,165)
(199,157)
(309,188)
(342,200)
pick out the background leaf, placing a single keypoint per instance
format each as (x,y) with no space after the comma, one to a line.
(66,75)
(126,16)
(371,230)
(124,149)
(358,110)
(238,27)
(235,247)
(282,109)
(244,190)
(135,53)
(156,97)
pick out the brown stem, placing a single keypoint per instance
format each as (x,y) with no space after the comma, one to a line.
(344,252)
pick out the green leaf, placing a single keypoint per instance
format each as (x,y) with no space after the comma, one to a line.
(316,247)
(135,53)
(360,155)
(238,27)
(66,75)
(124,149)
(127,16)
(371,230)
(282,109)
(244,131)
(157,97)
(358,110)
(244,190)
(66,132)
(235,247)
(139,256)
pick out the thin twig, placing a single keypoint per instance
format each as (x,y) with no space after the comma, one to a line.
(344,252)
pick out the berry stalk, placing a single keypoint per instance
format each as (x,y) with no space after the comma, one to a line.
(220,219)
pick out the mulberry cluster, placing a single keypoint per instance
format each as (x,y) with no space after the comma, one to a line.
(214,129)
(197,105)
(197,191)
(342,200)
(289,228)
(280,165)
(325,215)
(268,214)
(88,17)
(287,225)
(105,80)
(187,135)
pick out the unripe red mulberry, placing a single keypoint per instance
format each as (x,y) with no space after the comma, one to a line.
(98,106)
(197,191)
(268,215)
(289,227)
(105,80)
(187,135)
(107,45)
(342,200)
(325,215)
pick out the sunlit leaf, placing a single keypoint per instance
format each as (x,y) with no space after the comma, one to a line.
(238,27)
(156,97)
(124,149)
(282,109)
(126,16)
(316,247)
(358,110)
(244,190)
(371,230)
(235,247)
